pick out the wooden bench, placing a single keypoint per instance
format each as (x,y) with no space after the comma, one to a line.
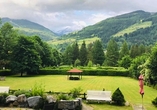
(4,89)
(93,95)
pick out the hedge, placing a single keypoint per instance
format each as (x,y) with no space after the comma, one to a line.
(97,72)
(91,72)
(5,72)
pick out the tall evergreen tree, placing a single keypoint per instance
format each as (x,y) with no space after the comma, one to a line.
(134,51)
(83,54)
(98,53)
(89,52)
(112,53)
(67,55)
(75,52)
(142,49)
(124,50)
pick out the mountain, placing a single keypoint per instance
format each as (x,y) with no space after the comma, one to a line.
(64,31)
(134,27)
(30,28)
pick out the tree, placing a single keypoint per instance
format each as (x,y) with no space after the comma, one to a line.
(83,54)
(152,65)
(47,56)
(134,51)
(124,50)
(75,52)
(25,58)
(98,53)
(118,97)
(89,52)
(67,56)
(90,64)
(57,57)
(112,53)
(125,61)
(77,62)
(134,67)
(8,38)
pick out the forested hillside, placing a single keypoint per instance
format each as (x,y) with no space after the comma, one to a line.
(30,28)
(144,24)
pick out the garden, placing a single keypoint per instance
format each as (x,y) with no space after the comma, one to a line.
(59,83)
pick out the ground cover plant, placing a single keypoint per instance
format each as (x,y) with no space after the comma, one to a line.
(59,83)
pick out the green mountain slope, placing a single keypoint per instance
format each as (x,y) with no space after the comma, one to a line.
(133,28)
(30,28)
(106,29)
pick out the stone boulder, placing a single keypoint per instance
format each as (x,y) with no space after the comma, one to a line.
(11,98)
(69,104)
(22,100)
(50,99)
(34,101)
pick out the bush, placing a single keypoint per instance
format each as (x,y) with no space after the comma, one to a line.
(62,96)
(118,98)
(90,64)
(26,92)
(3,98)
(154,102)
(5,72)
(38,90)
(75,92)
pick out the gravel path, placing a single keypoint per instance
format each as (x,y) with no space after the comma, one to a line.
(86,107)
(138,107)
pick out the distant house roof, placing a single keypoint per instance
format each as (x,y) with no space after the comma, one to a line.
(74,71)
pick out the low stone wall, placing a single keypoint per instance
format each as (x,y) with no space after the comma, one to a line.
(37,102)
(70,104)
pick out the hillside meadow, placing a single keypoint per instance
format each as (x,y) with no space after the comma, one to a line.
(59,83)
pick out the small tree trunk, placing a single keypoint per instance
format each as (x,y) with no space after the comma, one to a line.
(21,74)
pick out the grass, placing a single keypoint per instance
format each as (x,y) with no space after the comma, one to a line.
(87,40)
(59,83)
(133,28)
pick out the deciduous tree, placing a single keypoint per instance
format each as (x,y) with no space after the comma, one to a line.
(25,58)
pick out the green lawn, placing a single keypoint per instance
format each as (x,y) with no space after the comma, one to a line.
(128,86)
(133,28)
(87,40)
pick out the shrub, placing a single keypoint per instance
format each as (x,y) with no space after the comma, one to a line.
(90,64)
(26,92)
(62,96)
(3,98)
(77,63)
(118,98)
(75,92)
(38,90)
(154,102)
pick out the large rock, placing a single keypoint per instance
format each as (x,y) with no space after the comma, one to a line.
(22,100)
(69,104)
(50,99)
(33,101)
(11,98)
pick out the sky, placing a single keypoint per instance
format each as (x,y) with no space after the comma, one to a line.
(73,14)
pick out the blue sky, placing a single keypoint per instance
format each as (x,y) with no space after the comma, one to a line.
(72,14)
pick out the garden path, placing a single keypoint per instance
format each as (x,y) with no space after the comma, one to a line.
(138,107)
(86,107)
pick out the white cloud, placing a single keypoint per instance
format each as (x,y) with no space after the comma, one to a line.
(56,14)
(98,17)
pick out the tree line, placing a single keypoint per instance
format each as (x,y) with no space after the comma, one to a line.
(27,54)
